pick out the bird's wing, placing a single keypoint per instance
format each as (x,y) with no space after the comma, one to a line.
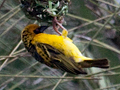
(56,58)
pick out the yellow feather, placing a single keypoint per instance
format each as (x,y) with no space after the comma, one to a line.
(64,33)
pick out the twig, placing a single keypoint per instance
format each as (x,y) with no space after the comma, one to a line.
(9,17)
(10,55)
(59,81)
(103,1)
(2,4)
(49,77)
(17,55)
(100,43)
(107,46)
(93,2)
(20,72)
(6,82)
(12,25)
(17,84)
(116,85)
(90,22)
(49,85)
(100,29)
(111,74)
(9,12)
(117,67)
(19,51)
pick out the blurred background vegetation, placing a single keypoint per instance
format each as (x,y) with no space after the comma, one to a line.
(96,20)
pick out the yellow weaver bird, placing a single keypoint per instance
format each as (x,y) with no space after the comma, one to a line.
(57,51)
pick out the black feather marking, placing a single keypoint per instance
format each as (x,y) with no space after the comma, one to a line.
(34,53)
(52,49)
(43,47)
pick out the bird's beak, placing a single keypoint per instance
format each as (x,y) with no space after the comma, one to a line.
(42,28)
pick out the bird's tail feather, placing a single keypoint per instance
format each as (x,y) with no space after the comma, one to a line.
(100,63)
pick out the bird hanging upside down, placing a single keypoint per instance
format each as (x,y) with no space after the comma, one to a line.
(57,51)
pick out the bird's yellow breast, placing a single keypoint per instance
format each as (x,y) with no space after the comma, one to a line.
(63,44)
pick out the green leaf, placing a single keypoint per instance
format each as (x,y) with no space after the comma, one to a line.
(50,5)
(57,5)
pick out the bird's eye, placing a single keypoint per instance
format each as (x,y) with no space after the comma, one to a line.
(36,31)
(40,29)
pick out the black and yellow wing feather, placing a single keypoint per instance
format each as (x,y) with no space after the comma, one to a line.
(56,59)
